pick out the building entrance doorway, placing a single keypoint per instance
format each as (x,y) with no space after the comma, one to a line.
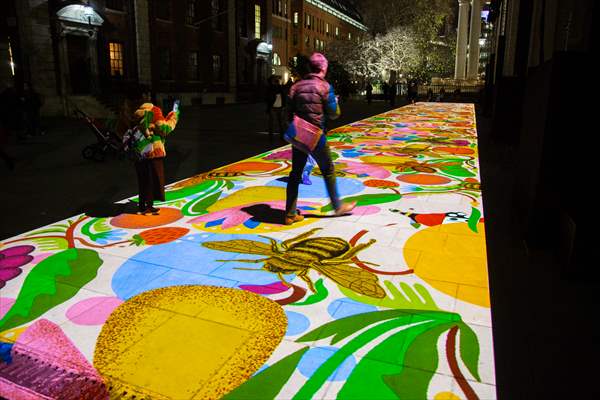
(80,73)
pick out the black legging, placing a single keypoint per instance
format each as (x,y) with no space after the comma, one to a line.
(323,158)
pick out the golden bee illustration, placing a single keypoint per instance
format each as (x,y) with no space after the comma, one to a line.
(329,256)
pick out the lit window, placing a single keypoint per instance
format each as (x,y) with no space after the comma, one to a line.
(327,29)
(193,66)
(191,12)
(349,36)
(337,31)
(296,18)
(217,69)
(257,21)
(276,59)
(116,59)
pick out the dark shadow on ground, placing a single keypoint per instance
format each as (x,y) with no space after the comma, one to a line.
(265,213)
(103,209)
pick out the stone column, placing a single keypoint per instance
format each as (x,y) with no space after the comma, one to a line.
(142,41)
(461,39)
(232,46)
(475,32)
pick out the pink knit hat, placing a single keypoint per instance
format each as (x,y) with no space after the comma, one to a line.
(318,62)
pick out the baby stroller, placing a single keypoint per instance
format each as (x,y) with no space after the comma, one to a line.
(107,140)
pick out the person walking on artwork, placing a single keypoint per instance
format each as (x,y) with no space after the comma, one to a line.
(393,92)
(369,93)
(32,103)
(275,100)
(147,138)
(312,101)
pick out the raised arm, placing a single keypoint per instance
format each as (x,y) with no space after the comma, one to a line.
(332,108)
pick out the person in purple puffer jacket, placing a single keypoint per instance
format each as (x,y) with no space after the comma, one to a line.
(313,100)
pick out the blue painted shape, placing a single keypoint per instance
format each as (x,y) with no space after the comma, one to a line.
(184,255)
(134,274)
(352,153)
(346,187)
(172,277)
(297,323)
(345,307)
(251,223)
(315,357)
(5,355)
(215,222)
(186,262)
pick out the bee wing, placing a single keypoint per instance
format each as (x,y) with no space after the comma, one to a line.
(241,246)
(353,278)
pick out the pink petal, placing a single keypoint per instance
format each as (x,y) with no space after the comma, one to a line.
(17,251)
(93,311)
(6,274)
(236,219)
(5,304)
(14,261)
(272,288)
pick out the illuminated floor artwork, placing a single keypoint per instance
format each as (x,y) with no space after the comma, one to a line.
(211,298)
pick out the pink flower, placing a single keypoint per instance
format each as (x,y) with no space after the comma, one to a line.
(11,261)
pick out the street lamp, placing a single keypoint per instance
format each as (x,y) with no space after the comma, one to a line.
(89,13)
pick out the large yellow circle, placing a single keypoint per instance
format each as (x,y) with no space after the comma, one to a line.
(452,259)
(184,342)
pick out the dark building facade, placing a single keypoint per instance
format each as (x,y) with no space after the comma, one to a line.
(315,23)
(88,53)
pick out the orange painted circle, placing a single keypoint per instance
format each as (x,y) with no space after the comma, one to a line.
(424,179)
(134,221)
(252,167)
(379,183)
(454,150)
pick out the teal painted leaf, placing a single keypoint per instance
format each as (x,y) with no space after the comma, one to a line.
(268,383)
(50,283)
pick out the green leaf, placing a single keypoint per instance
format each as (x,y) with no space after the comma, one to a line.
(319,377)
(204,186)
(469,350)
(404,297)
(344,327)
(100,225)
(474,219)
(268,383)
(320,295)
(199,205)
(385,359)
(456,170)
(50,283)
(48,230)
(420,364)
(50,244)
(366,200)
